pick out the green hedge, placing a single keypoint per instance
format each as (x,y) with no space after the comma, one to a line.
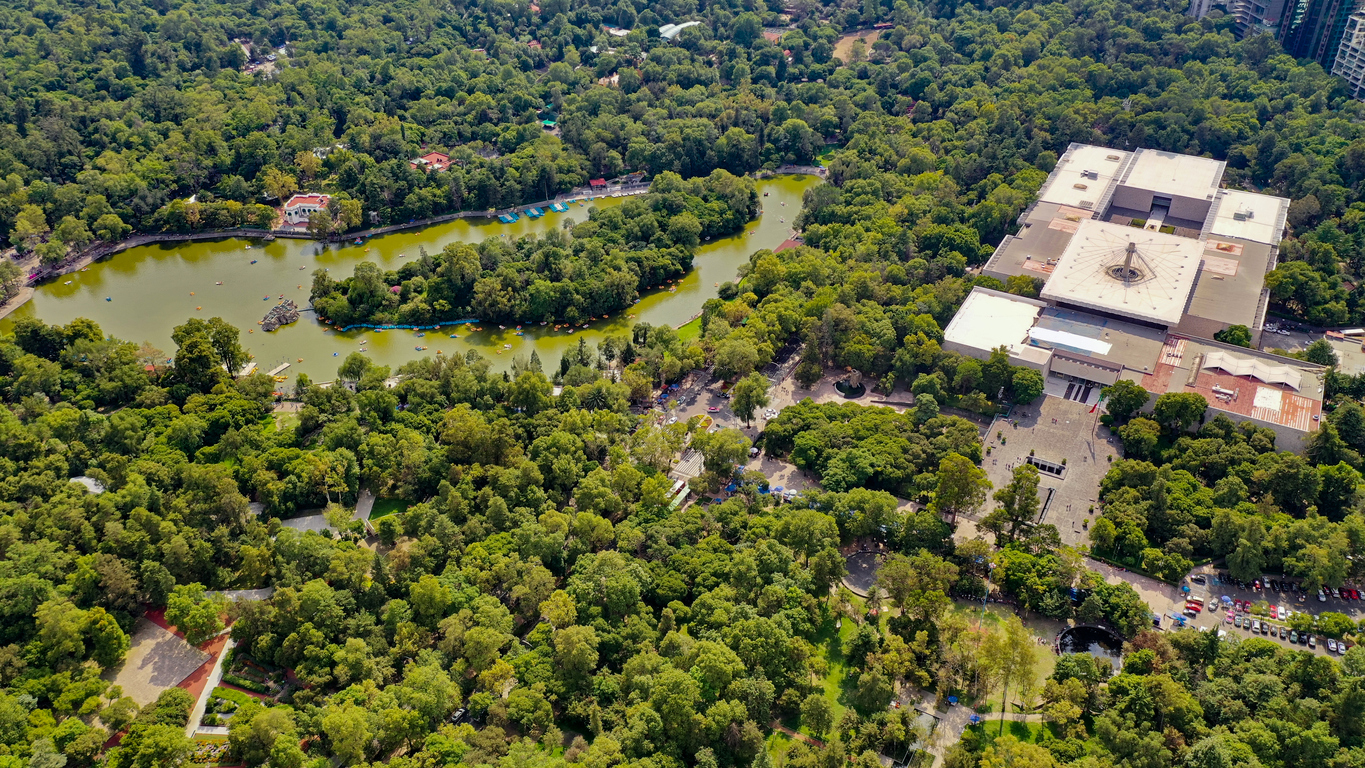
(242,682)
(236,697)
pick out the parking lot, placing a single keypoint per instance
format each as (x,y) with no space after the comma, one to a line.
(1217,584)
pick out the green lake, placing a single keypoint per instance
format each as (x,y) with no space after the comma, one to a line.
(154,288)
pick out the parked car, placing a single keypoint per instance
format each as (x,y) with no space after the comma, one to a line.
(1255,625)
(1293,637)
(1283,631)
(1331,645)
(1312,641)
(1283,614)
(1265,627)
(1230,618)
(1322,596)
(1237,622)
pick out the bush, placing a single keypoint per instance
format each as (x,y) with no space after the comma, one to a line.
(242,682)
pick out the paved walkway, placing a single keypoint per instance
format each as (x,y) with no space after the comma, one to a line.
(210,681)
(955,720)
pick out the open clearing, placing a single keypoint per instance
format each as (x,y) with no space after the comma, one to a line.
(157,660)
(844,46)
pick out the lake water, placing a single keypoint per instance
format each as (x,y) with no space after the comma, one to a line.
(154,288)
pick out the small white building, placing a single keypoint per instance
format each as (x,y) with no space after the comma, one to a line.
(301,207)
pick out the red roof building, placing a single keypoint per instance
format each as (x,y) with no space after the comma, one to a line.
(431,161)
(598,183)
(301,207)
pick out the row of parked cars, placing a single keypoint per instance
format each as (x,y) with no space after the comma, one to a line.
(1282,586)
(1294,637)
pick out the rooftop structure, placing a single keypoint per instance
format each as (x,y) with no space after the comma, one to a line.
(1276,392)
(1172,197)
(1125,271)
(1248,216)
(989,320)
(301,207)
(1230,289)
(1095,348)
(1084,176)
(670,31)
(1169,185)
(431,161)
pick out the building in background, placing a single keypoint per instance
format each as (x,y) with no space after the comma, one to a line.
(1315,29)
(1199,253)
(1143,258)
(1350,63)
(301,207)
(1257,16)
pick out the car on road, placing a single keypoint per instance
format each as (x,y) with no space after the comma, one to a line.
(713,409)
(673,420)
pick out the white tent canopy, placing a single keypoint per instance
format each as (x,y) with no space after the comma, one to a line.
(1257,369)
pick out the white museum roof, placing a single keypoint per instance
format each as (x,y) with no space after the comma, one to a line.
(1249,216)
(1096,272)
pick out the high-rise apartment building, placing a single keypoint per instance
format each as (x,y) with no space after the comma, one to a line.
(1350,62)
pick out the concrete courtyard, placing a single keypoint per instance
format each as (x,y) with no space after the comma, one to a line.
(1056,431)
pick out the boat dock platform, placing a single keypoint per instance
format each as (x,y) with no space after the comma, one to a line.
(276,370)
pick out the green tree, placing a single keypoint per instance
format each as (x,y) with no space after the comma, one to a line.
(1321,352)
(748,395)
(962,487)
(1140,438)
(1123,399)
(195,613)
(1178,411)
(817,714)
(30,228)
(1018,508)
(1027,385)
(1239,335)
(722,451)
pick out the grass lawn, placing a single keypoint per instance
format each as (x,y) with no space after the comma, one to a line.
(690,331)
(286,421)
(832,641)
(386,507)
(778,745)
(1030,732)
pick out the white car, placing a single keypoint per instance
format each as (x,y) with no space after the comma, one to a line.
(1322,596)
(1331,645)
(1283,614)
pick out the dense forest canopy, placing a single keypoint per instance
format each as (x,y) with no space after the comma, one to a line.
(536,574)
